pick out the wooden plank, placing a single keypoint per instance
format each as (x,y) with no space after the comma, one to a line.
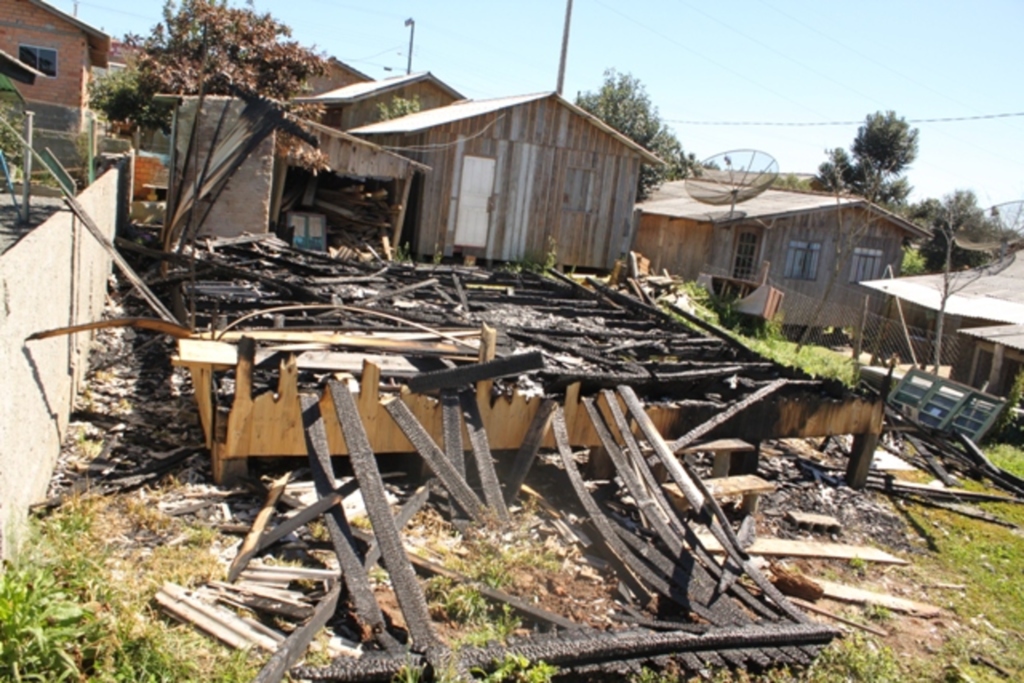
(228,620)
(781,547)
(728,445)
(250,545)
(723,487)
(860,596)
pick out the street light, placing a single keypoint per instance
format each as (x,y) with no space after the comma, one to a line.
(412,32)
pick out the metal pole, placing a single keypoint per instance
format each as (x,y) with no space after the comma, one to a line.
(565,46)
(412,34)
(26,166)
(91,155)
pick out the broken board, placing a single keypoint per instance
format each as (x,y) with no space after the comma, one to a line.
(782,547)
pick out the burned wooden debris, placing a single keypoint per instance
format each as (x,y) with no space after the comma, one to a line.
(492,379)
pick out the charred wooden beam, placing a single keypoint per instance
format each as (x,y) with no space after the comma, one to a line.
(528,450)
(356,579)
(482,454)
(295,646)
(454,482)
(404,516)
(701,500)
(734,409)
(364,465)
(516,364)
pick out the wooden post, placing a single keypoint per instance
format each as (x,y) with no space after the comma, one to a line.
(995,375)
(858,347)
(861,454)
(405,185)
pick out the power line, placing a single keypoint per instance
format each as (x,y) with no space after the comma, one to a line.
(946,119)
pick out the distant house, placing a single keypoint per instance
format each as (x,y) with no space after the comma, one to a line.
(786,239)
(358,104)
(517,177)
(61,47)
(986,307)
(339,74)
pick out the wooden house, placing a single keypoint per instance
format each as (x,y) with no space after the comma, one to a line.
(516,178)
(792,241)
(359,103)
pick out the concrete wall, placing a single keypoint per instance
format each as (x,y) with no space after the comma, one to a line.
(55,276)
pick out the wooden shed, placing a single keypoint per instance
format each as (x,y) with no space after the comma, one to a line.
(517,177)
(786,239)
(358,104)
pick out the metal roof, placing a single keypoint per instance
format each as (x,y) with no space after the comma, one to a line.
(1007,335)
(992,292)
(99,42)
(361,91)
(469,108)
(672,199)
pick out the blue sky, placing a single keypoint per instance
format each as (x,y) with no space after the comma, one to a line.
(781,61)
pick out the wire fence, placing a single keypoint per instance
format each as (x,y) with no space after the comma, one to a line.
(878,338)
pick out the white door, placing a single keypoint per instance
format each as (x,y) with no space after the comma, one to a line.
(475,190)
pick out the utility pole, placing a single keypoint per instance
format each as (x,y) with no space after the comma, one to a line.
(565,46)
(412,33)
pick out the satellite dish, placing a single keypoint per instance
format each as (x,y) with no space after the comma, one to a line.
(1003,229)
(730,178)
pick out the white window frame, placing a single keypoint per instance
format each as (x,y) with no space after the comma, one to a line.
(863,259)
(37,48)
(802,260)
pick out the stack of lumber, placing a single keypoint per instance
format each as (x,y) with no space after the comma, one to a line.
(356,219)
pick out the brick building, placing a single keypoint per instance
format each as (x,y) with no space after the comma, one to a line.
(60,46)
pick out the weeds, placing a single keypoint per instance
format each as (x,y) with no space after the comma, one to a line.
(45,635)
(518,669)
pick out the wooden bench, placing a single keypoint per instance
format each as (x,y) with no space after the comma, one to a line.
(750,486)
(723,450)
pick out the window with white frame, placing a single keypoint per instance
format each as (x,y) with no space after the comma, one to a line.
(802,260)
(42,59)
(866,264)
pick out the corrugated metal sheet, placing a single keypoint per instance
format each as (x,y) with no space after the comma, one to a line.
(469,108)
(672,200)
(358,91)
(993,292)
(1007,335)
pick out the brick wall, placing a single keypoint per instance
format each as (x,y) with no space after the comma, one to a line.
(22,23)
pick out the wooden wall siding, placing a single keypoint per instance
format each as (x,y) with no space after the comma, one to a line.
(687,248)
(537,146)
(363,112)
(680,245)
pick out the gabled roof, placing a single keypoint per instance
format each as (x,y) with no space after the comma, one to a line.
(99,42)
(993,292)
(672,199)
(361,91)
(334,61)
(469,108)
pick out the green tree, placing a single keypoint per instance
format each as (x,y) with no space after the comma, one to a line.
(623,103)
(118,96)
(398,107)
(934,215)
(224,50)
(883,150)
(957,214)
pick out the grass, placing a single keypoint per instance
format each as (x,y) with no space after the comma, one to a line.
(78,604)
(1009,457)
(765,338)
